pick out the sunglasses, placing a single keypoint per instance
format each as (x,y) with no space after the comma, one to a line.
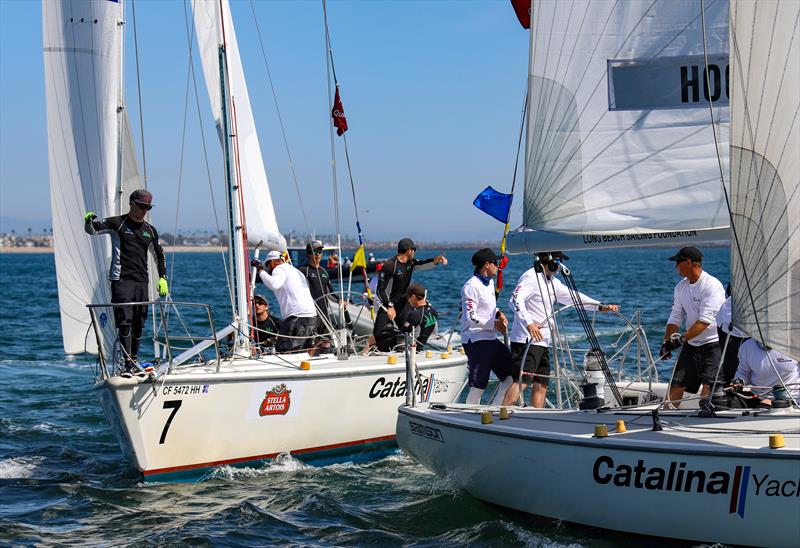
(260,303)
(317,252)
(420,297)
(146,207)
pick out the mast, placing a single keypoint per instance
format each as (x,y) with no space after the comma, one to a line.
(116,199)
(236,241)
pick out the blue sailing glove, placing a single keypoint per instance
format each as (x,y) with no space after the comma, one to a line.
(89,217)
(163,288)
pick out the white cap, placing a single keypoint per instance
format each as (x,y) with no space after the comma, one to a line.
(272,255)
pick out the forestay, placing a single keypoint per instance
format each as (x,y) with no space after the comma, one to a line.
(82,62)
(765,171)
(214,26)
(620,146)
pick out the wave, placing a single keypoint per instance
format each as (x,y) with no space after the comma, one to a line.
(19,467)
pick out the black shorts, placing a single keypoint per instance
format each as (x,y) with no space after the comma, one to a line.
(537,362)
(129,291)
(294,326)
(730,363)
(698,365)
(485,357)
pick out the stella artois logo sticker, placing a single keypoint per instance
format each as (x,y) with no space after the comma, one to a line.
(276,401)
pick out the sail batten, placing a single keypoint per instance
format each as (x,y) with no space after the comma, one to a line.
(619,136)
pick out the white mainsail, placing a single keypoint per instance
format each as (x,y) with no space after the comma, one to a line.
(620,146)
(82,62)
(214,25)
(765,171)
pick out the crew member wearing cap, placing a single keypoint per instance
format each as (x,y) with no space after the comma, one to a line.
(267,325)
(480,320)
(131,238)
(698,297)
(319,282)
(294,298)
(393,282)
(418,316)
(532,302)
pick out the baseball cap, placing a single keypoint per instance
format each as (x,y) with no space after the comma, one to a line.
(483,256)
(272,255)
(691,253)
(313,245)
(405,244)
(142,196)
(259,298)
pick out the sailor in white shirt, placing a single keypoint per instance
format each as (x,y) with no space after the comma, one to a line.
(295,301)
(480,320)
(758,366)
(730,338)
(698,297)
(532,302)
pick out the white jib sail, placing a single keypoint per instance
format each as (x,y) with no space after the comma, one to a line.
(82,63)
(765,171)
(262,225)
(619,138)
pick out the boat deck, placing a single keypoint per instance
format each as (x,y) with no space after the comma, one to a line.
(682,430)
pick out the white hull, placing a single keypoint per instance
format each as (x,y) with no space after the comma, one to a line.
(547,463)
(330,412)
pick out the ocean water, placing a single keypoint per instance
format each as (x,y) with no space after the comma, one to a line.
(63,480)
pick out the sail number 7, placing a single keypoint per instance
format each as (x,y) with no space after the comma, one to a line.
(174,405)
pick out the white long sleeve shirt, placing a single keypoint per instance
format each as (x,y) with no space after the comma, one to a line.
(532,303)
(698,301)
(478,310)
(755,368)
(291,290)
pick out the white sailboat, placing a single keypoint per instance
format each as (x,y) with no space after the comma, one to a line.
(731,477)
(200,408)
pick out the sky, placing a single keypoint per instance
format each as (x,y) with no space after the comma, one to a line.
(432,91)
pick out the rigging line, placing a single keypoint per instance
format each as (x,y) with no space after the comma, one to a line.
(331,71)
(139,93)
(190,40)
(352,188)
(280,120)
(725,190)
(180,166)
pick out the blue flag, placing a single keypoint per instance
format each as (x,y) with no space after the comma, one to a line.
(494,203)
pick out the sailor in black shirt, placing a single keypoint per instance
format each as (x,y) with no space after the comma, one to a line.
(319,282)
(393,282)
(131,238)
(267,325)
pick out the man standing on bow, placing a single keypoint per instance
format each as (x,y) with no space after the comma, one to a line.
(698,297)
(480,320)
(532,301)
(393,281)
(131,238)
(294,298)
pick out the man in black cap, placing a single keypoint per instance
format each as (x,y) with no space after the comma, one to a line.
(480,320)
(393,282)
(267,326)
(131,238)
(319,282)
(698,297)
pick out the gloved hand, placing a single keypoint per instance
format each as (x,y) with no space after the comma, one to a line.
(257,265)
(163,288)
(89,217)
(674,342)
(737,385)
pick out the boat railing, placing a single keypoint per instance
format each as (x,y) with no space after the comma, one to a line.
(165,342)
